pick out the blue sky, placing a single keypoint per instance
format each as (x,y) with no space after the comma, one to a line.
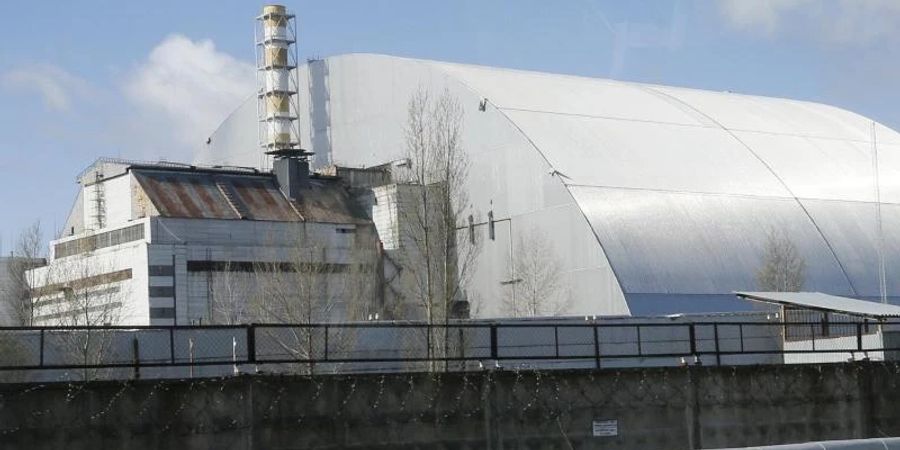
(144,80)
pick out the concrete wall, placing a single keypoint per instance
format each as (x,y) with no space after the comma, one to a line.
(130,292)
(697,407)
(192,240)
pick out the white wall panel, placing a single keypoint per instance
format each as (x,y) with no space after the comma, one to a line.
(615,153)
(773,115)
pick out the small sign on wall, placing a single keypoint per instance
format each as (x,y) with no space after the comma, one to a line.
(606,427)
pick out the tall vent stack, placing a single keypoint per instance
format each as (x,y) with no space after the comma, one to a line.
(277,83)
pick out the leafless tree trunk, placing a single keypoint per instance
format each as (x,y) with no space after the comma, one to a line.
(18,293)
(536,278)
(432,210)
(782,269)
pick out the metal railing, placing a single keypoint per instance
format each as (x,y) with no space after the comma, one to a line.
(373,346)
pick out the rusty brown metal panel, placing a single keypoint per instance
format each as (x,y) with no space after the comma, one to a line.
(275,202)
(264,200)
(243,193)
(177,186)
(197,195)
(167,206)
(210,198)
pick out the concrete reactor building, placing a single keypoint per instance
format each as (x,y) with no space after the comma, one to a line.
(642,199)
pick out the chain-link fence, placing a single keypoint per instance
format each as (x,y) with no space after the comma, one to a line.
(101,352)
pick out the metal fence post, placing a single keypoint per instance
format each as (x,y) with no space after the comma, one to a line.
(692,336)
(428,341)
(556,340)
(640,349)
(597,346)
(172,345)
(859,345)
(494,355)
(716,337)
(251,343)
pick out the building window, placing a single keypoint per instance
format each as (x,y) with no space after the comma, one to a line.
(98,241)
(161,271)
(162,313)
(162,291)
(345,230)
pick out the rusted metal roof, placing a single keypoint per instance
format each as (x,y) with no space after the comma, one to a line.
(215,195)
(327,200)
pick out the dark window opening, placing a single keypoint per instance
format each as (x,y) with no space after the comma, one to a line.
(162,291)
(162,313)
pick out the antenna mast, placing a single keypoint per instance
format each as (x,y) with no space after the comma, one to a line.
(882,282)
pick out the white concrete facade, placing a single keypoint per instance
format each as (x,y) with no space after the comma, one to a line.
(145,268)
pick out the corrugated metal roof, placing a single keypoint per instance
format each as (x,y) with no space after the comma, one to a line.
(212,194)
(328,201)
(825,302)
(209,195)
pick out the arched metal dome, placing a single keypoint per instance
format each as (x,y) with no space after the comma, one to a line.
(657,199)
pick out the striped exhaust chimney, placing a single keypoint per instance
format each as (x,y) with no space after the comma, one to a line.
(277,84)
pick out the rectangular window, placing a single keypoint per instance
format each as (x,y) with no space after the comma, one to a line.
(162,313)
(161,271)
(162,291)
(98,241)
(345,230)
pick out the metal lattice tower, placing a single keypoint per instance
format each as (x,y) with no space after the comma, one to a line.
(276,79)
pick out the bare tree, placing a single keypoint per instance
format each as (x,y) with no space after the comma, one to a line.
(536,287)
(313,283)
(433,200)
(229,294)
(783,269)
(82,292)
(18,292)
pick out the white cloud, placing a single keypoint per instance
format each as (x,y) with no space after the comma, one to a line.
(188,87)
(56,86)
(832,21)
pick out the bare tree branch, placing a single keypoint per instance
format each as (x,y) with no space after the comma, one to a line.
(536,287)
(29,251)
(782,269)
(432,200)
